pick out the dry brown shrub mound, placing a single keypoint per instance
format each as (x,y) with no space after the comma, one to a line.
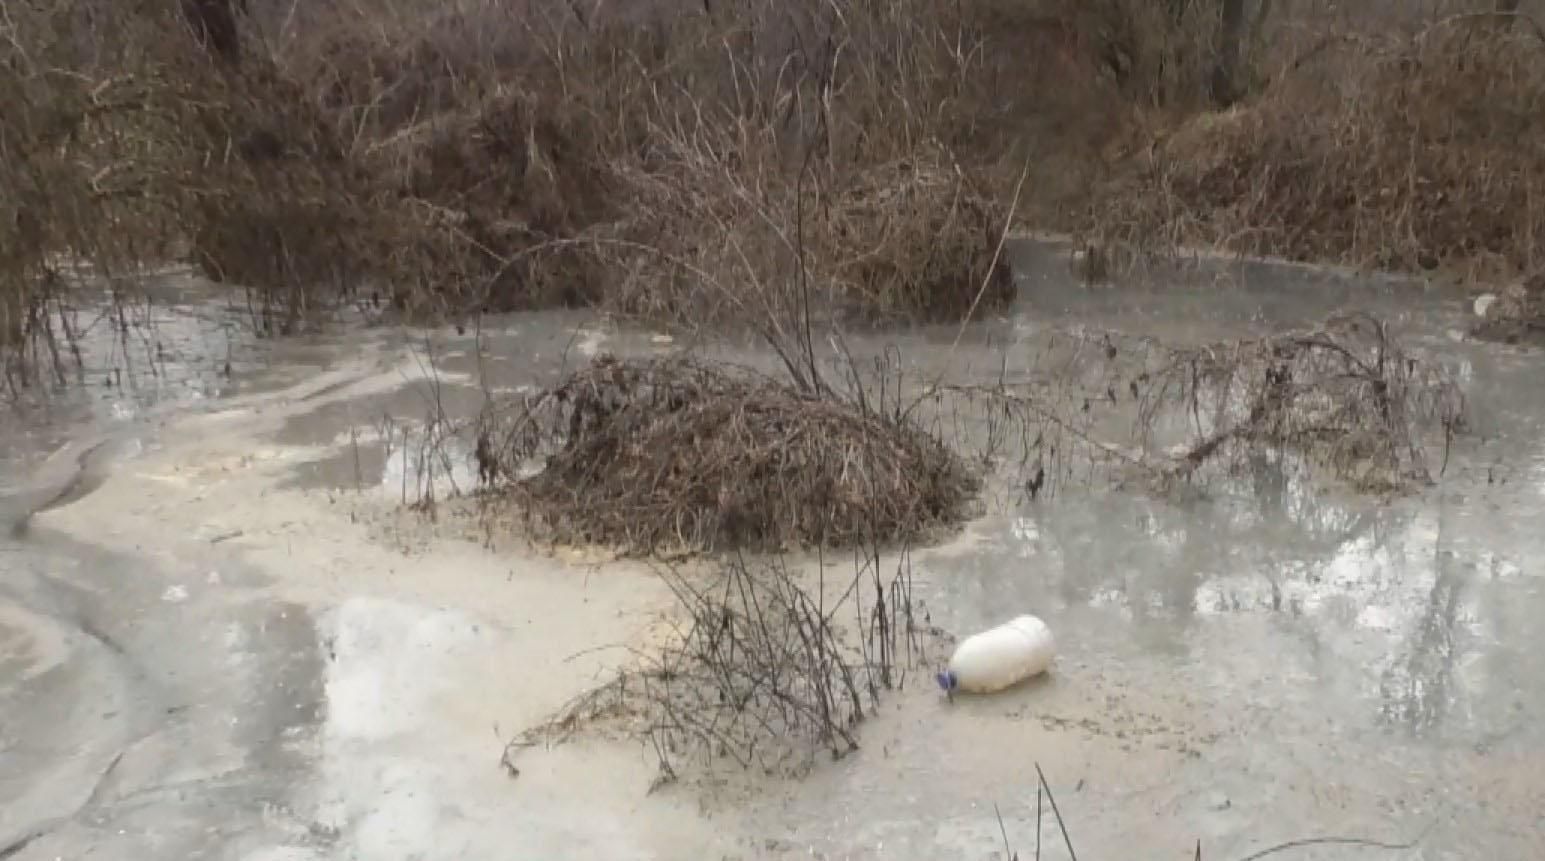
(677,454)
(1393,153)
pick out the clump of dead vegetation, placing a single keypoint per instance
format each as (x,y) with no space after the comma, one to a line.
(1344,401)
(761,669)
(1374,149)
(674,453)
(1345,396)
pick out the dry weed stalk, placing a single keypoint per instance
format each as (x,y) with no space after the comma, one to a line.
(1058,418)
(758,665)
(675,453)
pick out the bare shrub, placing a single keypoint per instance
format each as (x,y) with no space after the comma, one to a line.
(757,670)
(588,156)
(1346,401)
(918,237)
(1346,396)
(128,146)
(274,205)
(730,236)
(75,183)
(671,454)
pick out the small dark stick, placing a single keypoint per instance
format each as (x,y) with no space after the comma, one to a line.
(1036,482)
(1067,841)
(1008,851)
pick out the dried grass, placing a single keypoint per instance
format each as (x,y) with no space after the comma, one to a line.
(74,186)
(670,454)
(916,238)
(749,161)
(728,238)
(1407,153)
(499,154)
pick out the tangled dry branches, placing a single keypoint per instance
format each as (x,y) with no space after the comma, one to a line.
(1345,401)
(1346,396)
(757,671)
(667,453)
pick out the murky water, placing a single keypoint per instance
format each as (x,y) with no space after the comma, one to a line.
(220,641)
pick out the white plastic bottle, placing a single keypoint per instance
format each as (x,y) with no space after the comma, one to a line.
(998,658)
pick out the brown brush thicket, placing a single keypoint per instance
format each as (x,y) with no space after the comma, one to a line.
(75,185)
(127,144)
(668,158)
(737,161)
(487,154)
(674,454)
(754,162)
(1380,149)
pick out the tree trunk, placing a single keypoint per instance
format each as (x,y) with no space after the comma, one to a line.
(1225,70)
(1506,11)
(214,27)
